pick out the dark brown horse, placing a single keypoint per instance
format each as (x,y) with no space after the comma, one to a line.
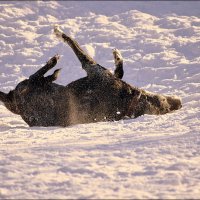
(100,96)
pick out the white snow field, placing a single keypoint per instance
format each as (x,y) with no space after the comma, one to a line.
(155,157)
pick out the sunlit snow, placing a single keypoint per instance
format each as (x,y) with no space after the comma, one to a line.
(148,157)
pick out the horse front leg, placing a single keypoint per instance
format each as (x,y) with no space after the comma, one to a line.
(88,64)
(83,57)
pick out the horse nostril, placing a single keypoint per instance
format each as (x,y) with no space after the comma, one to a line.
(174,102)
(176,105)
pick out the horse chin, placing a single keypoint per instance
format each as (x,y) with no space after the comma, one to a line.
(157,104)
(174,102)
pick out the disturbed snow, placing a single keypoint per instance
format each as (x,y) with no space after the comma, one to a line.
(149,157)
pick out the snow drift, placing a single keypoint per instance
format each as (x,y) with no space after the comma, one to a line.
(149,157)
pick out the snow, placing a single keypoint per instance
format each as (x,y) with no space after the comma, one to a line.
(148,157)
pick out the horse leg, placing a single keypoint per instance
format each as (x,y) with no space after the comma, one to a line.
(49,65)
(119,72)
(88,64)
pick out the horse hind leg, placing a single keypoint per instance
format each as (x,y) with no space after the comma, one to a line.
(53,76)
(49,65)
(119,71)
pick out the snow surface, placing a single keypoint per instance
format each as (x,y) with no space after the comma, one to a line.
(149,157)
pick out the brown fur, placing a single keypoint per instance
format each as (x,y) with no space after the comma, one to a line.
(101,96)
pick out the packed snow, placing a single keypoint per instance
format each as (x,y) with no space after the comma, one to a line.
(148,157)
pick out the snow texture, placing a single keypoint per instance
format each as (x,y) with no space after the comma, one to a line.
(149,157)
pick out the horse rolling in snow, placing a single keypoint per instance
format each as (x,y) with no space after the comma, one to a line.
(100,96)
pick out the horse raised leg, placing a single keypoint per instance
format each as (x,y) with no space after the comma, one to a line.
(49,65)
(53,76)
(88,63)
(119,72)
(83,57)
(11,100)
